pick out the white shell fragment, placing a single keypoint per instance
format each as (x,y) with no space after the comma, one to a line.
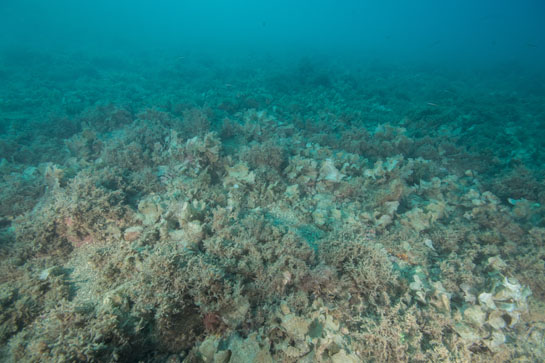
(428,242)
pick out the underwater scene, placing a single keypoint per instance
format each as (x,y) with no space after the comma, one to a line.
(232,182)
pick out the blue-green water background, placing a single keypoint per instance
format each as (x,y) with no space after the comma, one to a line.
(457,33)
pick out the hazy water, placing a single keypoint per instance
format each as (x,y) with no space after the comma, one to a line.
(468,33)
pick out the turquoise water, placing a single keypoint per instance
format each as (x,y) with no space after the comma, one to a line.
(241,182)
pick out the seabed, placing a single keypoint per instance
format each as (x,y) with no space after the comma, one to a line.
(182,209)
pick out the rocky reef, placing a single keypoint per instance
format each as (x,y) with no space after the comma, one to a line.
(169,215)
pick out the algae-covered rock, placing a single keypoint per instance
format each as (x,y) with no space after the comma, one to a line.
(320,217)
(496,311)
(296,327)
(238,175)
(250,350)
(417,219)
(150,209)
(236,313)
(50,272)
(344,357)
(329,173)
(486,301)
(467,332)
(190,211)
(132,233)
(208,348)
(496,320)
(235,349)
(475,316)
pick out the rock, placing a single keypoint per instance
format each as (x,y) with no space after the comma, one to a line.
(468,333)
(319,217)
(207,349)
(292,191)
(295,326)
(194,231)
(497,340)
(342,357)
(496,321)
(150,210)
(329,173)
(249,350)
(132,233)
(416,219)
(222,356)
(237,312)
(475,316)
(239,174)
(441,298)
(383,221)
(52,271)
(486,301)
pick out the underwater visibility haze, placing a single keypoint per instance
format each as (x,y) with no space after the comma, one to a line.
(288,181)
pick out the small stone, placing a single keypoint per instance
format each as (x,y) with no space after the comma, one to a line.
(475,316)
(238,174)
(150,210)
(342,357)
(194,231)
(468,295)
(329,172)
(132,233)
(384,221)
(498,339)
(497,263)
(467,333)
(417,284)
(295,326)
(428,242)
(391,207)
(441,298)
(208,348)
(222,356)
(514,317)
(292,191)
(52,271)
(319,217)
(487,302)
(496,321)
